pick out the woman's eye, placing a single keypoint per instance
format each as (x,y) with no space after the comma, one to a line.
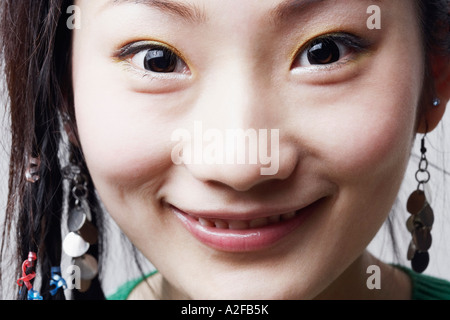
(159,60)
(324,51)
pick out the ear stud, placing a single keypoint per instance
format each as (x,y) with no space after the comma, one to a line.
(436,102)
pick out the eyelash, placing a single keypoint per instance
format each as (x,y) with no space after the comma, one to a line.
(356,44)
(136,47)
(126,53)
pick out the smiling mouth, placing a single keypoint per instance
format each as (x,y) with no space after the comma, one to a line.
(243,235)
(245,224)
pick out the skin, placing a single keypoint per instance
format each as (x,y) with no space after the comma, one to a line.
(346,132)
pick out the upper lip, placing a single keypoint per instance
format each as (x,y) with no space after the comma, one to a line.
(239,214)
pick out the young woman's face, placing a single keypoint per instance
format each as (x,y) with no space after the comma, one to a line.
(336,100)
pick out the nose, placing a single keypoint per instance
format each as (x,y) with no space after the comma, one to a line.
(246,172)
(237,138)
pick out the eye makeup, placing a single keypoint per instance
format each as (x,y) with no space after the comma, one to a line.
(333,49)
(152,58)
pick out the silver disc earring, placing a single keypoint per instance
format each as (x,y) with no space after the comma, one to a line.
(82,233)
(421,220)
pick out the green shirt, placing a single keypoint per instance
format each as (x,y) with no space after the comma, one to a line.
(424,287)
(125,290)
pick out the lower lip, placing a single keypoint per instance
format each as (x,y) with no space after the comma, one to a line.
(243,240)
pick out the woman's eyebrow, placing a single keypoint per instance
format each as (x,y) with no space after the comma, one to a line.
(187,12)
(285,8)
(293,7)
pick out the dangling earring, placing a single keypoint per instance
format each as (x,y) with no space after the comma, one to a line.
(82,233)
(422,217)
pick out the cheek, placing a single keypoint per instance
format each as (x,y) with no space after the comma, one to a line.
(119,144)
(370,142)
(371,133)
(127,150)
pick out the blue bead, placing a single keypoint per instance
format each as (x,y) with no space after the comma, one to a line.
(34,295)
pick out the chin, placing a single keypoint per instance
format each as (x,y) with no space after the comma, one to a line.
(253,290)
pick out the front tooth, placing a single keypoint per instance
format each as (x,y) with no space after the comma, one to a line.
(205,222)
(258,223)
(288,216)
(237,224)
(221,224)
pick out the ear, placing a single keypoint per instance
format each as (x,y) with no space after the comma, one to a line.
(431,116)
